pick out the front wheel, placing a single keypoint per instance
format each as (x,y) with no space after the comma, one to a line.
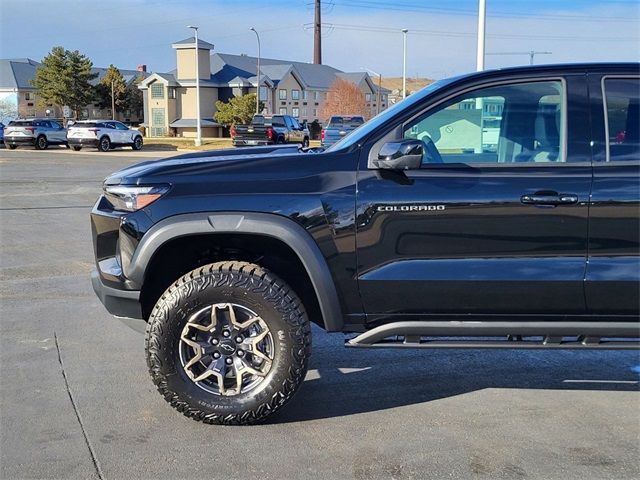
(104,145)
(77,148)
(305,143)
(228,343)
(41,142)
(12,147)
(137,143)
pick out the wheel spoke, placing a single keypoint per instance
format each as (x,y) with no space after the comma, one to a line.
(241,325)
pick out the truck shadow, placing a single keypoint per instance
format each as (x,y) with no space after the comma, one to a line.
(345,382)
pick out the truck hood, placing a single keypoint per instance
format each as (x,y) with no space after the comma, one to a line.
(205,162)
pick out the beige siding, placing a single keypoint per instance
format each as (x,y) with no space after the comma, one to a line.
(186,64)
(187,100)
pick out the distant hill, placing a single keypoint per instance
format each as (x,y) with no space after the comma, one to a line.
(413,84)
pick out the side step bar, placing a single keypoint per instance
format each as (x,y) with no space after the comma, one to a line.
(429,334)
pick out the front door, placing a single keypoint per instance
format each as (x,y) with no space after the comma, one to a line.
(495,220)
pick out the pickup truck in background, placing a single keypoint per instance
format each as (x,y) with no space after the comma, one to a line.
(268,130)
(337,127)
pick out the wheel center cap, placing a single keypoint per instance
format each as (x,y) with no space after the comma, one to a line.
(227,347)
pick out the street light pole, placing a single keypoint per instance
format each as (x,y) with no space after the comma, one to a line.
(482,11)
(258,72)
(198,141)
(404,62)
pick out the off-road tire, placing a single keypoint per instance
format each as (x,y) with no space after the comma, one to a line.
(76,148)
(229,282)
(12,147)
(104,145)
(41,143)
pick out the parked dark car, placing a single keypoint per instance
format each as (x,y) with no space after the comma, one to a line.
(269,130)
(1,132)
(421,229)
(339,126)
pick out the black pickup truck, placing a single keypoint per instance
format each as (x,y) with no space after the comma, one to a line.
(499,209)
(269,130)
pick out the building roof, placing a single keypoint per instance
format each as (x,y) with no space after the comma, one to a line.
(191,123)
(225,66)
(191,41)
(17,73)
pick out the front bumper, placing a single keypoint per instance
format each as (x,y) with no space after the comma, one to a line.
(123,304)
(19,141)
(82,142)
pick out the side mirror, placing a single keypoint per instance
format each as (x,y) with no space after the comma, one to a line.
(400,155)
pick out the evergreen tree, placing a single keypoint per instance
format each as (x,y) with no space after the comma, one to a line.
(64,78)
(104,90)
(237,110)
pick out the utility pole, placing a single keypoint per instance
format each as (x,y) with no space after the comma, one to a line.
(113,102)
(258,72)
(482,11)
(404,62)
(317,35)
(198,140)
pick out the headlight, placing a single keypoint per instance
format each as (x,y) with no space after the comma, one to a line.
(130,198)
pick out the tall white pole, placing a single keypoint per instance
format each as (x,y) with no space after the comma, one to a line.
(258,72)
(482,10)
(404,62)
(198,141)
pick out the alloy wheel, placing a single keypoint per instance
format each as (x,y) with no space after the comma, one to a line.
(226,349)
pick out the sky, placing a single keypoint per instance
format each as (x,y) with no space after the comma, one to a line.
(357,34)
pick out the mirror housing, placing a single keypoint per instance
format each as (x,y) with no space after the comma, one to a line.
(400,155)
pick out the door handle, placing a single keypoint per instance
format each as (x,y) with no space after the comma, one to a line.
(549,199)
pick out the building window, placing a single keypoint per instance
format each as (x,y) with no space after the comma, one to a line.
(283,110)
(367,97)
(304,94)
(171,92)
(295,94)
(315,113)
(263,94)
(305,112)
(316,95)
(296,112)
(282,94)
(27,96)
(157,90)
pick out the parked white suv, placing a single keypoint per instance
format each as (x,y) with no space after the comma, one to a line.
(103,134)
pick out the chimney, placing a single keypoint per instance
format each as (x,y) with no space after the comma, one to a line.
(142,68)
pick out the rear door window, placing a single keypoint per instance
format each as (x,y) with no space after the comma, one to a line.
(21,123)
(622,109)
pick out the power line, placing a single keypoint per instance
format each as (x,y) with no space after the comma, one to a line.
(403,7)
(443,33)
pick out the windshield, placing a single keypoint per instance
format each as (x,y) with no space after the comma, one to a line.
(383,117)
(342,122)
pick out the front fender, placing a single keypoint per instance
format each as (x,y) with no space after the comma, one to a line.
(276,226)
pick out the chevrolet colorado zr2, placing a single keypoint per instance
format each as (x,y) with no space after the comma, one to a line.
(499,209)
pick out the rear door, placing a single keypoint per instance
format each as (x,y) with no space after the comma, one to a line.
(496,221)
(613,272)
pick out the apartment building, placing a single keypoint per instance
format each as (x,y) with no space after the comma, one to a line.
(286,87)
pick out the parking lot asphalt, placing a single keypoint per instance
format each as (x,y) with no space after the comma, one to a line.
(76,400)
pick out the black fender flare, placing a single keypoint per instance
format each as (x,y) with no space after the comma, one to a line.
(271,225)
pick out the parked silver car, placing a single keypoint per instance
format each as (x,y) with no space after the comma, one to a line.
(37,132)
